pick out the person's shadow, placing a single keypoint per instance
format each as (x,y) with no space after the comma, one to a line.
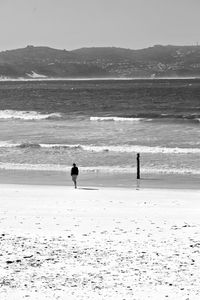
(89,189)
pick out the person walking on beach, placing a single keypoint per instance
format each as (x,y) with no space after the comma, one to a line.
(74,174)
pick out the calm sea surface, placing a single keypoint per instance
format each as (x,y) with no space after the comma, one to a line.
(101,125)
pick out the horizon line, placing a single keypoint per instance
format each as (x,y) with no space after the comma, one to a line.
(100,47)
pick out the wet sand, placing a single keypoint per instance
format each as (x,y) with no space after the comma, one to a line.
(92,179)
(99,243)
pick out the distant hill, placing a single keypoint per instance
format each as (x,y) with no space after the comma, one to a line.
(100,62)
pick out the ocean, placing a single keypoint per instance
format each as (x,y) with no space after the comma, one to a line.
(101,125)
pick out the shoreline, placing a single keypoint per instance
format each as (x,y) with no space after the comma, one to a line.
(87,179)
(22,79)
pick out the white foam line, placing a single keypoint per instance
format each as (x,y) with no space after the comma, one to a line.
(141,149)
(116,119)
(73,146)
(4,78)
(26,115)
(97,169)
(109,148)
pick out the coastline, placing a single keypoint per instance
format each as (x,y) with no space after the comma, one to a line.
(21,79)
(87,179)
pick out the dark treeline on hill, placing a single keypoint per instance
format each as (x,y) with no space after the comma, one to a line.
(102,62)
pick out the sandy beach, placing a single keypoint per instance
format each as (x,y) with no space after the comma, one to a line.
(98,243)
(101,179)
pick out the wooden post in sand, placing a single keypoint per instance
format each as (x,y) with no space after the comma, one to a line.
(138,165)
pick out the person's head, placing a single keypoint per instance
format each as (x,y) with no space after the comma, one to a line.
(74,165)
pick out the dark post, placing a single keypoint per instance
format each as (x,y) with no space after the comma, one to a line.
(138,165)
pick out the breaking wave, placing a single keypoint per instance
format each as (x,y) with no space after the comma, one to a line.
(109,148)
(141,149)
(150,117)
(116,119)
(27,115)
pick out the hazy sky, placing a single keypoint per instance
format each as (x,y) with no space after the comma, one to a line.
(73,24)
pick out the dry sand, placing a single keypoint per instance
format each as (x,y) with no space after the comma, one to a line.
(103,243)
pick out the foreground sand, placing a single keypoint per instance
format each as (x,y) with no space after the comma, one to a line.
(104,243)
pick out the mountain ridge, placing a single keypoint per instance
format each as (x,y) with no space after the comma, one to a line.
(100,62)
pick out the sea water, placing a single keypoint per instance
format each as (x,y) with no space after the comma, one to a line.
(101,125)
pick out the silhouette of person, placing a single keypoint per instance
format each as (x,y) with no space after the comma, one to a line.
(74,174)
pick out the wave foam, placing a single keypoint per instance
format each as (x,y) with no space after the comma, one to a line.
(115,119)
(110,148)
(150,118)
(61,146)
(27,115)
(22,145)
(97,169)
(141,149)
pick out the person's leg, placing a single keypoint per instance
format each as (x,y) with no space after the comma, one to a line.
(74,180)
